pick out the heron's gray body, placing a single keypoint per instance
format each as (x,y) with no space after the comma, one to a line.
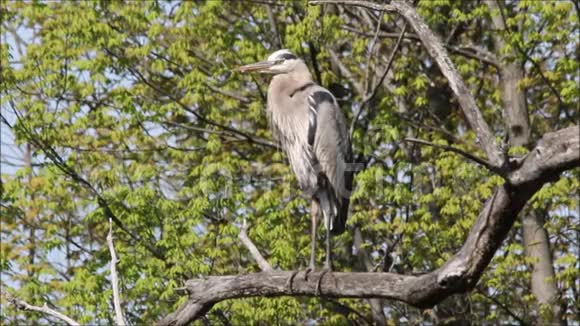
(320,165)
(306,119)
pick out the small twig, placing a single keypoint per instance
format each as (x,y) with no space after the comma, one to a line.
(243,236)
(371,49)
(119,317)
(345,71)
(370,96)
(474,158)
(468,51)
(502,306)
(233,95)
(23,305)
(348,310)
(274,27)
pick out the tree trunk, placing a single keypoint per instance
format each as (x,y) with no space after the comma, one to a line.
(536,241)
(537,246)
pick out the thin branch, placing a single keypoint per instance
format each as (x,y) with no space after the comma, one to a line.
(23,305)
(369,97)
(243,236)
(437,51)
(371,49)
(233,95)
(469,51)
(345,310)
(65,168)
(471,157)
(119,317)
(345,71)
(274,26)
(245,137)
(503,307)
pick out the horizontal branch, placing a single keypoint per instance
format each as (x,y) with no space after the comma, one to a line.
(205,293)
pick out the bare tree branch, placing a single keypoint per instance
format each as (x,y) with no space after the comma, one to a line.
(370,95)
(555,152)
(23,305)
(119,317)
(345,71)
(437,51)
(231,94)
(472,157)
(274,27)
(469,51)
(243,236)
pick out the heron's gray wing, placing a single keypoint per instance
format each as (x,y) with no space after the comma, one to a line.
(332,150)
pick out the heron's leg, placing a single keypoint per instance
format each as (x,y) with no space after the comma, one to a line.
(314,209)
(328,261)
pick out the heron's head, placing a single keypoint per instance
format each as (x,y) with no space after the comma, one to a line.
(279,62)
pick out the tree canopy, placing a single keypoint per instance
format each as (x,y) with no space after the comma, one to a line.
(128,115)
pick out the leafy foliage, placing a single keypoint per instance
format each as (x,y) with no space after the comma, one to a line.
(130,111)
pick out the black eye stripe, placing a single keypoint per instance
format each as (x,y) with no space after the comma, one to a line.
(287,56)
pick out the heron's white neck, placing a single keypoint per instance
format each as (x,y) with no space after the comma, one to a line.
(285,84)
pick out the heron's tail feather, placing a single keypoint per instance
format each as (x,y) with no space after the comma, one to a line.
(339,224)
(334,210)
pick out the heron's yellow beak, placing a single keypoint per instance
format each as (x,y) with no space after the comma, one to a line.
(262,66)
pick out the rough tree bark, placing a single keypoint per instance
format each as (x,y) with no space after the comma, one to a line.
(555,152)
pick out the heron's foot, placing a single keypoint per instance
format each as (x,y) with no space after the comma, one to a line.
(291,280)
(308,271)
(324,271)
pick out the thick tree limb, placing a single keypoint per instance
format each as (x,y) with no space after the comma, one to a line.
(555,153)
(437,51)
(23,305)
(119,317)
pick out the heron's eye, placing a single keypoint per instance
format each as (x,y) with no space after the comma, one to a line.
(280,61)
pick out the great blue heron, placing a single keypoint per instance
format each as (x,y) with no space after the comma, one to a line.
(307,121)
